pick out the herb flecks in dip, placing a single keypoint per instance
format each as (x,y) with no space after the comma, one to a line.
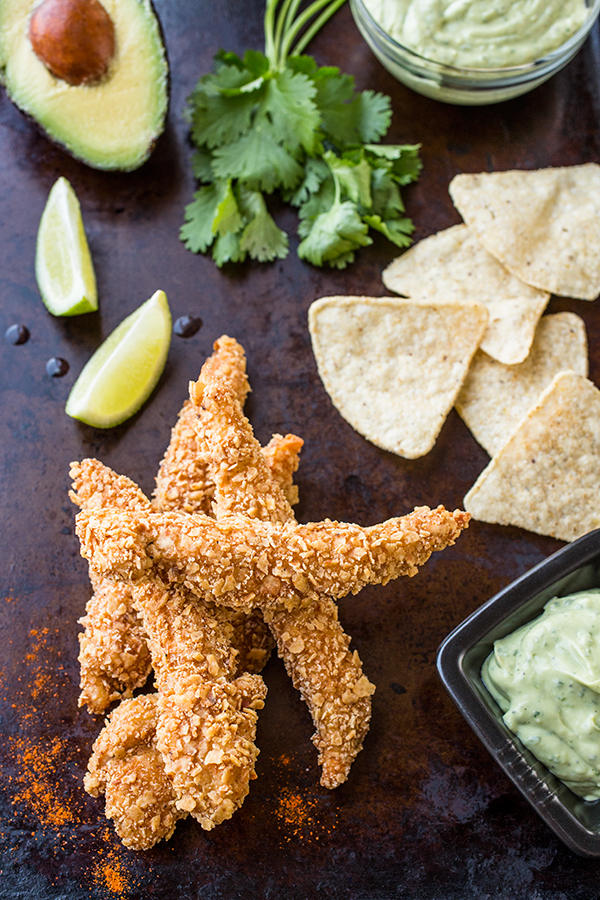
(480,33)
(546,679)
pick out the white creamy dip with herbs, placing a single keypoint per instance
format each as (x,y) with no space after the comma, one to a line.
(480,33)
(545,678)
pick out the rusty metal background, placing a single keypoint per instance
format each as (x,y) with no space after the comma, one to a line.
(425,815)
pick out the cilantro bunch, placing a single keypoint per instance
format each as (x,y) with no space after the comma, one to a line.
(276,122)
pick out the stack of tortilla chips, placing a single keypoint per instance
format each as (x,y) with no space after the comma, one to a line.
(469,332)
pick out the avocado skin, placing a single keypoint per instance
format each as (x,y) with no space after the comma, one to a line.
(112,125)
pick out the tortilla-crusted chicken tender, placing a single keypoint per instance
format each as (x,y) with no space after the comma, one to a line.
(114,658)
(206,722)
(128,768)
(244,562)
(281,454)
(184,480)
(311,641)
(246,486)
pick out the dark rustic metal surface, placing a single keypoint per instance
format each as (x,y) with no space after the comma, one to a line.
(426,814)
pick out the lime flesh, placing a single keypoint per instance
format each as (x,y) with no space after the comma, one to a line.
(63,264)
(125,369)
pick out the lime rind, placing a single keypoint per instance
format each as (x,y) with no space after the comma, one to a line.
(63,263)
(125,369)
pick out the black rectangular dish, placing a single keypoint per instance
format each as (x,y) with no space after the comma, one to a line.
(575,567)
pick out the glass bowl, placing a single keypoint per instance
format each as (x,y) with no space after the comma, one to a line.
(574,568)
(466,86)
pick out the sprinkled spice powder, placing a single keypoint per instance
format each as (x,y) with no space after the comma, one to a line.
(33,771)
(37,780)
(110,873)
(295,811)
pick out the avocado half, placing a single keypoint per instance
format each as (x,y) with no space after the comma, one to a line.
(112,124)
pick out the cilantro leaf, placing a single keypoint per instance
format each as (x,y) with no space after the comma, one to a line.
(218,119)
(197,233)
(334,236)
(397,231)
(258,158)
(315,172)
(228,218)
(202,165)
(354,177)
(227,249)
(288,102)
(405,158)
(262,239)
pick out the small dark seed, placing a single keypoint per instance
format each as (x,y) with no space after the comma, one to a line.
(186,326)
(57,367)
(17,334)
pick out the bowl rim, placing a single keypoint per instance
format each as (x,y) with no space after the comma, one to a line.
(548,61)
(531,590)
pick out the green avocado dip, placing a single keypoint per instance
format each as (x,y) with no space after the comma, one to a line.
(480,33)
(545,677)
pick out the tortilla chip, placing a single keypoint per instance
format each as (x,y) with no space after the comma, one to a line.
(494,398)
(546,478)
(543,225)
(393,367)
(453,265)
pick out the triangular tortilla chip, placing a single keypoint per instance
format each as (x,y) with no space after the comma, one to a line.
(546,478)
(494,398)
(393,367)
(543,225)
(453,265)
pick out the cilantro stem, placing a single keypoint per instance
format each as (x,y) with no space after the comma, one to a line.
(315,27)
(285,19)
(279,44)
(269,25)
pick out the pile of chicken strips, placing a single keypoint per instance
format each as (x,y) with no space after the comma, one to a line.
(197,585)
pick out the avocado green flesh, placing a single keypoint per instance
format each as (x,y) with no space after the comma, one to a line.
(110,125)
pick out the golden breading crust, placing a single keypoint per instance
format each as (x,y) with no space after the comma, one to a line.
(244,562)
(206,732)
(311,641)
(128,768)
(184,480)
(114,658)
(206,723)
(317,656)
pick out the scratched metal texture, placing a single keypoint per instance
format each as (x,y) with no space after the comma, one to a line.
(426,814)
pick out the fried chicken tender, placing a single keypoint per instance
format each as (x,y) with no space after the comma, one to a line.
(201,739)
(246,563)
(184,480)
(311,641)
(128,768)
(114,657)
(206,722)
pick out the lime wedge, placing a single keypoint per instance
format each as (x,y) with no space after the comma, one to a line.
(63,265)
(124,370)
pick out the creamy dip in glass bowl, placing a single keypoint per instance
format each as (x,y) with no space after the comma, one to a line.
(471,52)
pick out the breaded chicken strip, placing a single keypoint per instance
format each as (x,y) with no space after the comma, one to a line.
(114,657)
(243,562)
(311,641)
(128,768)
(184,480)
(206,722)
(201,739)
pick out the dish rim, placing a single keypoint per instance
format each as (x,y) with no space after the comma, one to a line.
(519,602)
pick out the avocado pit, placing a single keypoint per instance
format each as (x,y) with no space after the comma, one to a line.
(74,39)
